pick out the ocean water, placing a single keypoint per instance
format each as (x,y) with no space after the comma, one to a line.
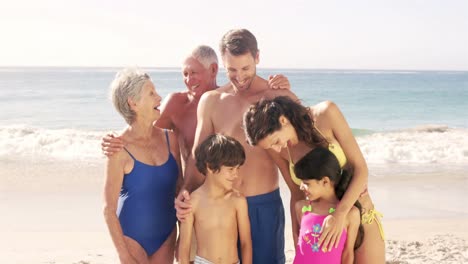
(398,117)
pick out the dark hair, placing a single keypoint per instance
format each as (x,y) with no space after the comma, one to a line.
(239,42)
(218,150)
(262,119)
(321,162)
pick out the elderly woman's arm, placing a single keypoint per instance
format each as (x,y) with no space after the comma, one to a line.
(113,183)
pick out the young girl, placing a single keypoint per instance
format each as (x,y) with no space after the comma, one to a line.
(324,183)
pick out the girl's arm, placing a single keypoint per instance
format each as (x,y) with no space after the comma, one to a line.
(354,219)
(185,239)
(244,230)
(113,183)
(333,119)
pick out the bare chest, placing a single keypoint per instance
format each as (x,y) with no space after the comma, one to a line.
(216,216)
(227,118)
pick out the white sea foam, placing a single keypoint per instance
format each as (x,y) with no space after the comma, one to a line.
(425,144)
(20,141)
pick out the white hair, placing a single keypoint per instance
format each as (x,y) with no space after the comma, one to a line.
(127,83)
(205,55)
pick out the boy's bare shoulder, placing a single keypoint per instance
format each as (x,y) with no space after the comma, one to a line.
(236,197)
(195,198)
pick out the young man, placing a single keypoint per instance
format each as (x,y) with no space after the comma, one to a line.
(258,177)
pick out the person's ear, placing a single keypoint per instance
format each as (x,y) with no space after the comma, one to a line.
(325,181)
(131,103)
(209,170)
(257,57)
(213,69)
(283,120)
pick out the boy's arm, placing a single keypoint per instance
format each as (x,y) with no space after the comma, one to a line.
(354,220)
(244,230)
(186,228)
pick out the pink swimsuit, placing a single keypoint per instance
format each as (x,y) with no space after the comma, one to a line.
(308,250)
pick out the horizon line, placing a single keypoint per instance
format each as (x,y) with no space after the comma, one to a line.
(221,69)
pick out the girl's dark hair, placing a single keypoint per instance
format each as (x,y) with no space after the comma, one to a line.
(321,162)
(262,119)
(218,150)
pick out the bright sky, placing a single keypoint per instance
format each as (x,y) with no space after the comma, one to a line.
(331,34)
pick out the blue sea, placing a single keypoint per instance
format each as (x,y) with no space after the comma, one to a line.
(407,117)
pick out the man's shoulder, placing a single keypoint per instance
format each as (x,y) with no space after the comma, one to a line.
(172,105)
(211,97)
(227,88)
(177,98)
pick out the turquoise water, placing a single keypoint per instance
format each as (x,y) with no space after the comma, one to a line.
(418,116)
(370,100)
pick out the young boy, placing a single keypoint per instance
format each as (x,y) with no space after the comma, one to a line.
(219,214)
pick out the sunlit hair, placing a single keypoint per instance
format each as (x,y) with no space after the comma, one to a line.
(128,83)
(262,119)
(239,42)
(321,162)
(205,55)
(218,150)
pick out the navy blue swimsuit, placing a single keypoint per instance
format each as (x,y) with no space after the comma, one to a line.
(146,203)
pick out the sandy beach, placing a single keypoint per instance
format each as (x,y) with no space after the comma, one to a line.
(52,214)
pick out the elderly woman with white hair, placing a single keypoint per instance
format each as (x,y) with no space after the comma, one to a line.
(141,182)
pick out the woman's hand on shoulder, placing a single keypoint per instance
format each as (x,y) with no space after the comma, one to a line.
(332,228)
